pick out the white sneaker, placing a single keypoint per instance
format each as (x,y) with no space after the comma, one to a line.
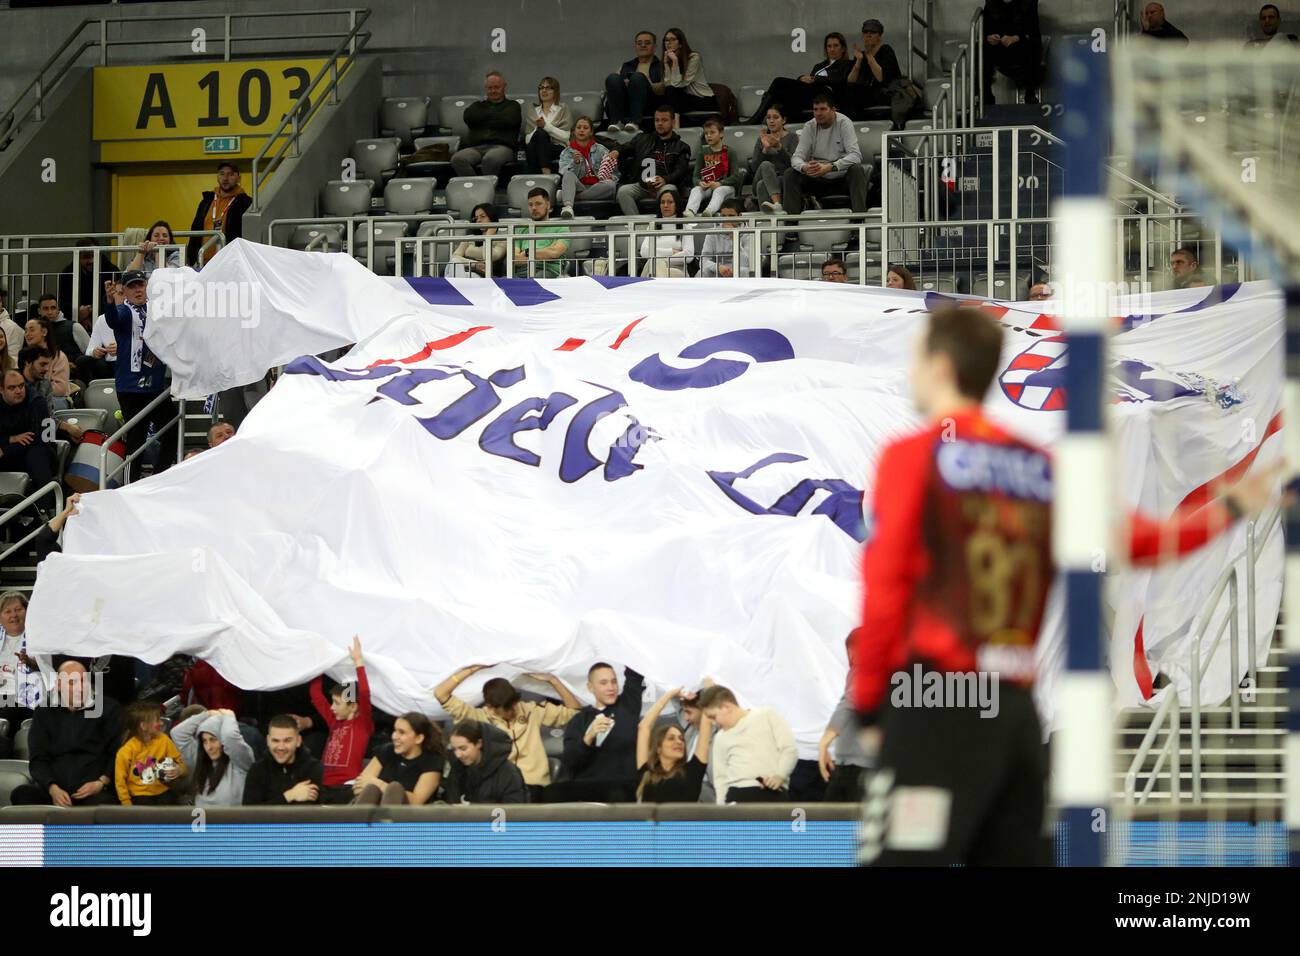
(774,207)
(631,127)
(566,212)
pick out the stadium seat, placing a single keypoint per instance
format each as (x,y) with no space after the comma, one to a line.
(62,452)
(451,113)
(436,255)
(692,136)
(13,773)
(406,197)
(384,234)
(404,117)
(14,487)
(583,104)
(85,418)
(751,98)
(741,139)
(342,198)
(800,265)
(823,240)
(579,246)
(376,159)
(935,86)
(1001,285)
(921,124)
(869,140)
(466,192)
(322,238)
(21,750)
(553,742)
(435,168)
(519,186)
(102,393)
(937,284)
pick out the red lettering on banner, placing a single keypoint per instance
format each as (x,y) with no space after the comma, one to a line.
(451,341)
(622,336)
(571,344)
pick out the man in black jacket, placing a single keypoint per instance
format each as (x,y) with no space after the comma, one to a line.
(221,209)
(25,430)
(286,774)
(671,167)
(1013,45)
(494,125)
(600,742)
(73,742)
(1156,27)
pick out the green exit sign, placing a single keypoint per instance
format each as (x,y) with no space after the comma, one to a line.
(221,144)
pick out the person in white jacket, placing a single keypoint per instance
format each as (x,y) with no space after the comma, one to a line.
(546,128)
(212,745)
(718,257)
(669,249)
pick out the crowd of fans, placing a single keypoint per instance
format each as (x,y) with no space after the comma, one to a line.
(98,732)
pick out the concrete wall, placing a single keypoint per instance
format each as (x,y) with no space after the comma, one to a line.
(438,47)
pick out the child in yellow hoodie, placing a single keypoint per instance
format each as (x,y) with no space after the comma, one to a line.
(148,761)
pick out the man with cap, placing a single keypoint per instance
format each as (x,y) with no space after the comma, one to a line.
(139,374)
(876,78)
(221,209)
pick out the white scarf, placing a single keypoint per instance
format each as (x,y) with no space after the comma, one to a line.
(137,336)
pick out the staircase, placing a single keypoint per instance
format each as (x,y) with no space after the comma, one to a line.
(1238,766)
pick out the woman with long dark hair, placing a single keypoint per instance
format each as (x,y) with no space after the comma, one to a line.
(796,93)
(211,744)
(667,251)
(666,775)
(684,84)
(468,257)
(771,157)
(407,771)
(146,260)
(481,771)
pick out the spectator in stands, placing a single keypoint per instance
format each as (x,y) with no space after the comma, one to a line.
(1039,291)
(494,123)
(1270,22)
(684,85)
(148,762)
(1156,27)
(146,260)
(718,175)
(350,720)
(407,771)
(1013,46)
(691,719)
(834,270)
(899,277)
(467,258)
(672,163)
(876,78)
(220,210)
(220,433)
(521,720)
(6,360)
(12,332)
(1186,269)
(797,94)
(211,743)
(587,169)
(202,685)
(771,157)
(842,770)
(100,360)
(669,250)
(68,337)
(636,87)
(546,128)
(718,253)
(481,768)
(754,754)
(140,375)
(34,363)
(38,336)
(667,774)
(90,302)
(827,159)
(287,773)
(24,444)
(600,743)
(21,686)
(72,745)
(549,252)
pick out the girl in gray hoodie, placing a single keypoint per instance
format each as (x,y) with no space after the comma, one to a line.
(212,745)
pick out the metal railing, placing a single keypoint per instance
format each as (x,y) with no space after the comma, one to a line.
(350,224)
(923,20)
(1167,713)
(1122,20)
(976,66)
(105,476)
(94,34)
(308,104)
(50,487)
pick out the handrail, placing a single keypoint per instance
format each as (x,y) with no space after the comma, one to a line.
(1122,20)
(31,499)
(1168,710)
(162,396)
(1146,190)
(914,19)
(976,66)
(18,115)
(305,108)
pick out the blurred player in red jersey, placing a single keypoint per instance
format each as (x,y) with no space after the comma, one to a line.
(957,572)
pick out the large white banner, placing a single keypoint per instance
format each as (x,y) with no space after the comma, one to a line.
(666,474)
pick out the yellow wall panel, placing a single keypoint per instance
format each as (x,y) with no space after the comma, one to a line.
(145,194)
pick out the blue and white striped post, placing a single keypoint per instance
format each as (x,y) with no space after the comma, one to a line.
(1083,746)
(1291,632)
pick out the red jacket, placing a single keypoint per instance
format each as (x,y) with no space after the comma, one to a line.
(345,748)
(959,562)
(203,685)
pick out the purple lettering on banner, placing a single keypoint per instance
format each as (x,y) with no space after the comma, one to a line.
(470,407)
(310,365)
(763,345)
(613,282)
(524,292)
(438,291)
(843,506)
(578,459)
(498,437)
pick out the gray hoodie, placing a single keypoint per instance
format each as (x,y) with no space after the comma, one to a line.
(187,736)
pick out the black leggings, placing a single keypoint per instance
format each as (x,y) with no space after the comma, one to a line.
(542,151)
(684,102)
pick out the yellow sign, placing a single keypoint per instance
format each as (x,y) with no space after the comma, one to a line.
(198,100)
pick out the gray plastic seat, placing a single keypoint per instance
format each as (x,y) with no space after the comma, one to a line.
(433,167)
(823,240)
(376,158)
(21,750)
(327,237)
(383,235)
(14,487)
(937,284)
(466,192)
(102,393)
(451,112)
(84,418)
(405,197)
(741,139)
(519,187)
(692,136)
(13,774)
(801,265)
(750,99)
(869,141)
(1001,285)
(583,104)
(404,117)
(342,198)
